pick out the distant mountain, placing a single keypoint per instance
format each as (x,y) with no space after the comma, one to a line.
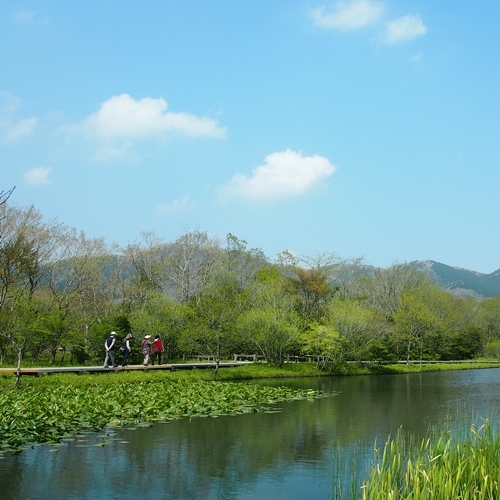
(461,282)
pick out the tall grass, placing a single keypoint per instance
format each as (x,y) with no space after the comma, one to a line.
(247,372)
(459,462)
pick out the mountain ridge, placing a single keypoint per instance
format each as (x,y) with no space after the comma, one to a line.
(460,281)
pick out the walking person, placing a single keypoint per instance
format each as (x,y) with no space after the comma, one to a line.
(109,347)
(125,348)
(157,350)
(146,348)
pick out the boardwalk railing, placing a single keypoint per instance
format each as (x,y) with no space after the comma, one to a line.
(251,357)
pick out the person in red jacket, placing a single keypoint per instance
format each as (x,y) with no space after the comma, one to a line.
(157,350)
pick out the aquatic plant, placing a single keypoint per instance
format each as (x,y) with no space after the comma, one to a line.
(454,463)
(51,413)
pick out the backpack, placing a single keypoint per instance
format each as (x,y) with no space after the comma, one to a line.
(123,347)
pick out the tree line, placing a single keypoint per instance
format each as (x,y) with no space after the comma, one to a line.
(61,293)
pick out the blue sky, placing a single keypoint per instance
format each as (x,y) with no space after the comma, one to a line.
(366,128)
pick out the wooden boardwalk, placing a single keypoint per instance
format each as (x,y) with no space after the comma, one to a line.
(37,372)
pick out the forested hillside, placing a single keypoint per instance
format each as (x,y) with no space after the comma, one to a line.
(61,293)
(462,282)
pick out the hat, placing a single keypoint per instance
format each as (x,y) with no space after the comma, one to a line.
(129,335)
(113,333)
(147,336)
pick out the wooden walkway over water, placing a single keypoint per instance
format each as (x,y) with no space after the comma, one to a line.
(37,372)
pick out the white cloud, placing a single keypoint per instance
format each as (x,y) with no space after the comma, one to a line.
(348,16)
(23,128)
(176,206)
(122,117)
(416,58)
(38,176)
(285,173)
(25,16)
(109,152)
(404,29)
(13,129)
(11,103)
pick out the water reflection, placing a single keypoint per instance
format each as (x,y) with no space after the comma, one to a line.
(300,453)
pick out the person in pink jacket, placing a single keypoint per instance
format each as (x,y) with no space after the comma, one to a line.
(146,349)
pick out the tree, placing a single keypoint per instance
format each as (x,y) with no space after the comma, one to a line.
(387,287)
(414,322)
(5,195)
(80,290)
(353,323)
(489,319)
(324,342)
(349,276)
(243,263)
(217,309)
(457,335)
(149,259)
(28,245)
(286,260)
(271,322)
(313,289)
(312,284)
(191,261)
(16,320)
(162,316)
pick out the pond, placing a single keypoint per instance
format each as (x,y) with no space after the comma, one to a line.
(301,450)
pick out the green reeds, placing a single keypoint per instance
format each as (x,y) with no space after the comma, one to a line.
(459,462)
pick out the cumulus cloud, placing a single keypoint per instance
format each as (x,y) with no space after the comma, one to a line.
(38,176)
(122,117)
(404,29)
(164,210)
(23,128)
(348,16)
(283,174)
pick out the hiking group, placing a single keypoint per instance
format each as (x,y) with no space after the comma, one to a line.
(154,349)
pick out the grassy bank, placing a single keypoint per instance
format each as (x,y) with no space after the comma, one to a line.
(435,367)
(259,371)
(248,372)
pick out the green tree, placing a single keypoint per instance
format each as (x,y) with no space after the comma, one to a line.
(217,308)
(324,342)
(80,289)
(353,322)
(16,322)
(28,245)
(489,319)
(414,322)
(160,315)
(271,322)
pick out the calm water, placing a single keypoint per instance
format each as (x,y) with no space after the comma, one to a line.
(301,452)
